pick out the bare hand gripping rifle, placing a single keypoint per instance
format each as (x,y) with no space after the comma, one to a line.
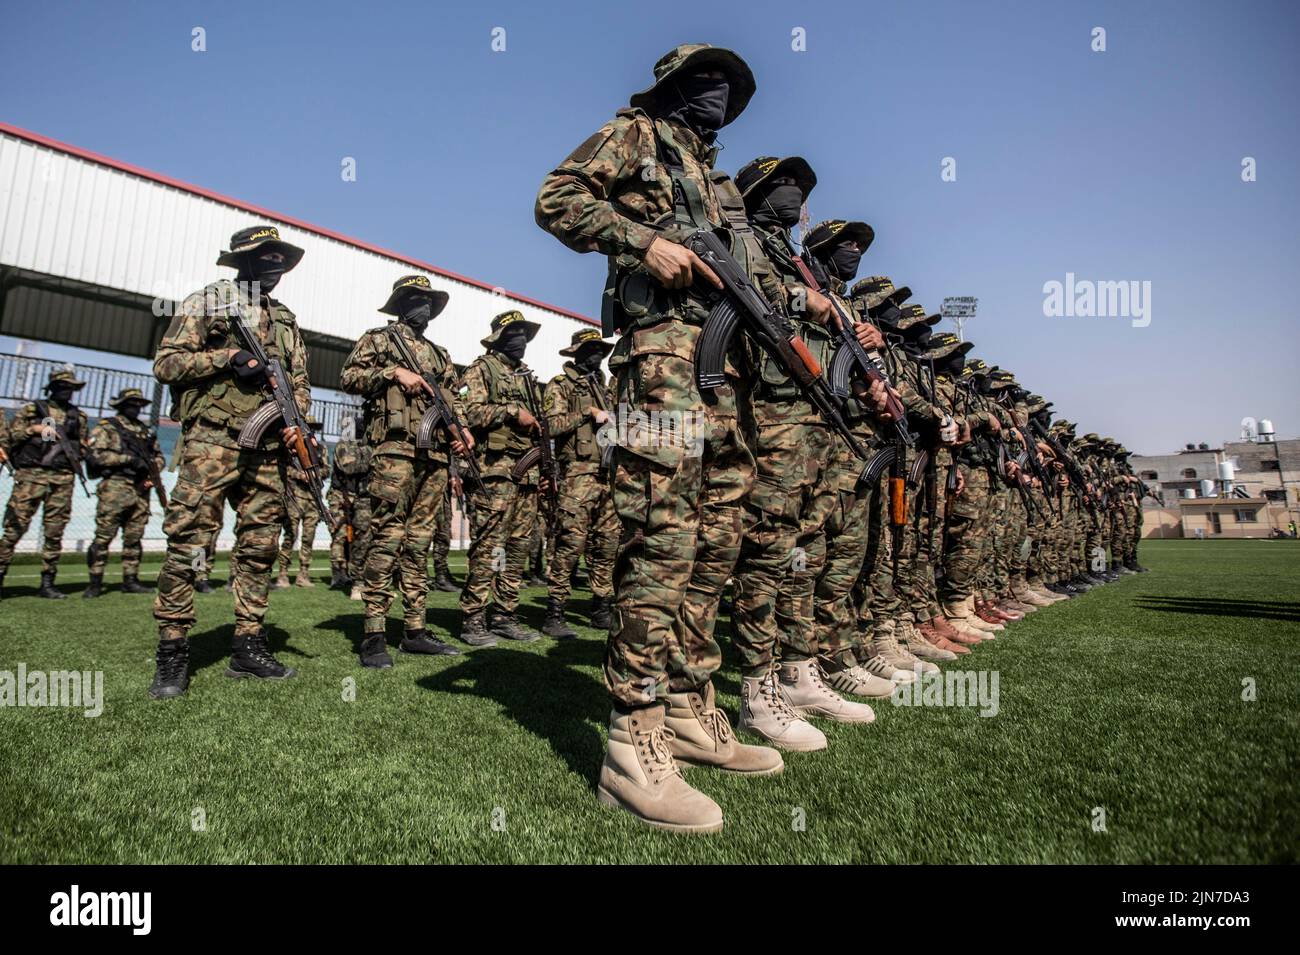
(598,396)
(439,415)
(282,408)
(541,454)
(740,302)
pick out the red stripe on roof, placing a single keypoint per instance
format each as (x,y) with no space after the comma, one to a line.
(270,214)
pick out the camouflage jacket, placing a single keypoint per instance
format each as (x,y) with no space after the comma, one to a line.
(194,358)
(392,416)
(350,467)
(565,403)
(495,389)
(112,456)
(39,455)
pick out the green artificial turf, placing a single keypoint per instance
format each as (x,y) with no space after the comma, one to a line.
(1127,699)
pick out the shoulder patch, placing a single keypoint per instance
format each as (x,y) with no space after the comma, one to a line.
(591,145)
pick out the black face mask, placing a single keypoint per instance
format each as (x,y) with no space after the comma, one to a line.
(266,272)
(779,206)
(416,311)
(701,103)
(513,344)
(131,411)
(844,261)
(983,385)
(589,358)
(952,365)
(61,395)
(915,344)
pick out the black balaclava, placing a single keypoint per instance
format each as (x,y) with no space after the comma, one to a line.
(513,342)
(699,100)
(983,384)
(952,365)
(131,410)
(62,394)
(778,205)
(843,260)
(265,267)
(915,342)
(416,311)
(589,358)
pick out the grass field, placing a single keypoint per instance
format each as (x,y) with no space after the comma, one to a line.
(1128,698)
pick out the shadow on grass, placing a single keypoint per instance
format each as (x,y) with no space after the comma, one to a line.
(542,692)
(213,646)
(1222,607)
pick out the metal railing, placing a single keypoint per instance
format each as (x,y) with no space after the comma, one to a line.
(22,379)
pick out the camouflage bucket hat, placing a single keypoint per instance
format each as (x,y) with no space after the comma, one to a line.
(1036,403)
(503,321)
(585,337)
(695,56)
(978,367)
(247,240)
(945,344)
(129,396)
(911,315)
(414,284)
(758,171)
(64,376)
(838,230)
(1000,378)
(871,289)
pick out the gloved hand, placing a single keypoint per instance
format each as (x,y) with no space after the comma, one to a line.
(245,365)
(948,430)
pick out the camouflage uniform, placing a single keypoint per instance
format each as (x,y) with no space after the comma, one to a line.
(406,485)
(505,514)
(441,540)
(43,477)
(586,503)
(212,405)
(349,499)
(680,501)
(123,500)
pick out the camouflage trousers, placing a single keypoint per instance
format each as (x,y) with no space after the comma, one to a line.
(119,506)
(210,475)
(964,536)
(921,582)
(505,516)
(405,494)
(914,583)
(1042,566)
(204,570)
(31,492)
(784,546)
(441,539)
(987,582)
(354,510)
(306,517)
(679,498)
(587,523)
(838,631)
(1010,537)
(879,600)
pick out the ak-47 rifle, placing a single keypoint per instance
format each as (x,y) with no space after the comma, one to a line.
(739,302)
(851,359)
(542,454)
(597,388)
(145,456)
(1073,472)
(439,415)
(283,408)
(1034,459)
(1032,514)
(63,445)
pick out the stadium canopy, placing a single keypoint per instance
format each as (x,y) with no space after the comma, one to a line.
(97,254)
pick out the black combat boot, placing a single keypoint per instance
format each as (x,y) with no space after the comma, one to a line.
(2,585)
(374,652)
(555,625)
(600,610)
(250,656)
(131,585)
(419,641)
(474,631)
(172,673)
(48,590)
(442,581)
(95,587)
(338,579)
(1133,565)
(1093,579)
(1078,583)
(202,586)
(508,626)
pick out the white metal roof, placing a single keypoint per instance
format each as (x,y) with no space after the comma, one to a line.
(74,214)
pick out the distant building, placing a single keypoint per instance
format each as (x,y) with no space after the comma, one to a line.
(1241,489)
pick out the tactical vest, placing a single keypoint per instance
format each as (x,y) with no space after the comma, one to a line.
(226,400)
(130,443)
(775,384)
(580,444)
(392,413)
(35,452)
(505,385)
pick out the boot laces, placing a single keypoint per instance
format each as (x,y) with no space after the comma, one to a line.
(255,646)
(771,692)
(718,726)
(171,663)
(655,743)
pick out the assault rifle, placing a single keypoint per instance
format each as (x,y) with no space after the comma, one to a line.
(143,454)
(283,408)
(598,396)
(852,359)
(439,415)
(541,454)
(63,444)
(740,302)
(1072,470)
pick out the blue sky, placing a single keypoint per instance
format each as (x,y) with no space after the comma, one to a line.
(1115,166)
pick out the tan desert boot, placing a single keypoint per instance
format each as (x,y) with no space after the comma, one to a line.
(303,579)
(978,622)
(884,643)
(959,618)
(282,581)
(764,710)
(639,775)
(806,691)
(916,644)
(858,682)
(702,736)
